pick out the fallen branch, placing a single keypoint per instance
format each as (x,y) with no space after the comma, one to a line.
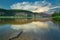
(16,36)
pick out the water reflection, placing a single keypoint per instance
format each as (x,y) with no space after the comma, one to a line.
(31,31)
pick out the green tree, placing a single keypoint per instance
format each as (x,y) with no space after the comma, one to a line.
(56,16)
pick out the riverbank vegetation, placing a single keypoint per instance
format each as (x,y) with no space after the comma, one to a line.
(56,17)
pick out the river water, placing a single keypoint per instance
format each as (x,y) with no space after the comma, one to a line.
(31,31)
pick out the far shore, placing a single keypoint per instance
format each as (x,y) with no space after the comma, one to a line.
(23,21)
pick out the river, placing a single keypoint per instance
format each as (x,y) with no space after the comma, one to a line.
(35,30)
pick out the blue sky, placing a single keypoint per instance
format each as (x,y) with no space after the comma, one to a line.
(7,3)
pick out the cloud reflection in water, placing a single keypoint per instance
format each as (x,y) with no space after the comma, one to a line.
(39,31)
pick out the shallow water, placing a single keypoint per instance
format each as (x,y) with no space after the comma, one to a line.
(31,31)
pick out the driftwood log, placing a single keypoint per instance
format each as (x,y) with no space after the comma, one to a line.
(16,36)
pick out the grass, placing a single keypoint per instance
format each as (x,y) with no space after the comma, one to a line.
(14,17)
(56,18)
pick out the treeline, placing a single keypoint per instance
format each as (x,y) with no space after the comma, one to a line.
(56,16)
(12,12)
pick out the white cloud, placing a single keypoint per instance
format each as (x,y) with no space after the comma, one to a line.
(55,7)
(38,6)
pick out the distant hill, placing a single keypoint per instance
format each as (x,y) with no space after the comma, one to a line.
(22,13)
(4,12)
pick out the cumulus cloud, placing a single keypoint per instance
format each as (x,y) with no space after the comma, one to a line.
(38,6)
(55,7)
